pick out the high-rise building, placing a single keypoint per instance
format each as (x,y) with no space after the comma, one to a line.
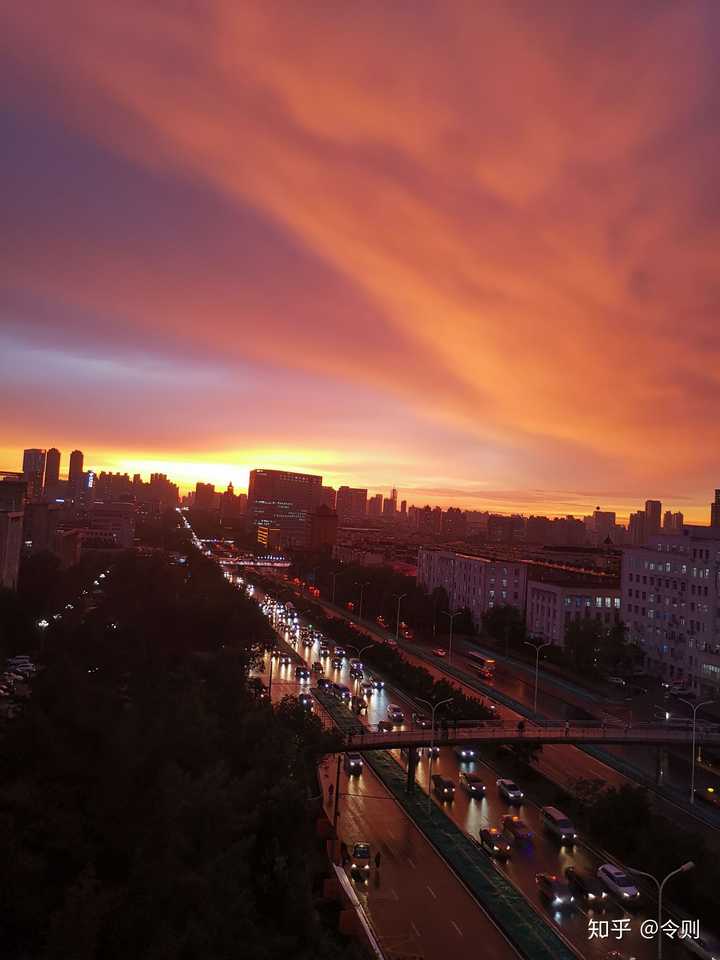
(283,500)
(454,526)
(11,539)
(389,507)
(603,526)
(375,505)
(636,528)
(52,468)
(328,498)
(673,522)
(653,513)
(323,524)
(403,508)
(715,510)
(34,471)
(351,503)
(75,473)
(204,496)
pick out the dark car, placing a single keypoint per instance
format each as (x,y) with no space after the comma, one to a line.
(421,722)
(517,827)
(586,887)
(377,683)
(443,788)
(360,862)
(302,674)
(336,663)
(356,673)
(317,667)
(495,843)
(465,754)
(553,889)
(340,652)
(324,650)
(306,700)
(472,782)
(342,692)
(324,683)
(284,659)
(353,764)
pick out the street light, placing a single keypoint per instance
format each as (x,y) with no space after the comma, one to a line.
(452,621)
(398,597)
(694,708)
(334,578)
(433,708)
(537,647)
(362,586)
(660,887)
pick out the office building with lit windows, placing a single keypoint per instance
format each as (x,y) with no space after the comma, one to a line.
(283,501)
(671,605)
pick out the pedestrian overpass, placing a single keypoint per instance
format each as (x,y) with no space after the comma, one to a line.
(357,736)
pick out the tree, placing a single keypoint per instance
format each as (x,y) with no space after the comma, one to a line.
(505,624)
(582,642)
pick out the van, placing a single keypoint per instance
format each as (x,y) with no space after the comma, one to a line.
(557,823)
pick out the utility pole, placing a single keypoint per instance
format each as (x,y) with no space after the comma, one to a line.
(398,597)
(660,887)
(452,621)
(694,708)
(433,708)
(537,647)
(336,807)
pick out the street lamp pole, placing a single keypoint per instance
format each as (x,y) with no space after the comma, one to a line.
(334,576)
(399,597)
(452,621)
(433,708)
(362,586)
(660,887)
(537,647)
(694,708)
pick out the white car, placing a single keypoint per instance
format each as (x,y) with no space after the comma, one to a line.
(510,791)
(618,882)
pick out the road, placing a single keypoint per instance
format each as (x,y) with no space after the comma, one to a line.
(361,818)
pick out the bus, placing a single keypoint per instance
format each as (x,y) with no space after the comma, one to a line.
(485,666)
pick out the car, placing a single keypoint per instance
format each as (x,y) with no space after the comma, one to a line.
(377,683)
(308,642)
(517,827)
(443,788)
(284,660)
(339,652)
(494,842)
(420,721)
(558,824)
(390,643)
(465,754)
(708,795)
(274,653)
(433,751)
(358,705)
(341,691)
(353,764)
(360,862)
(356,673)
(618,882)
(302,674)
(305,700)
(324,650)
(366,689)
(382,622)
(555,890)
(336,663)
(395,714)
(317,667)
(258,688)
(510,791)
(354,662)
(440,652)
(473,784)
(384,726)
(324,683)
(586,887)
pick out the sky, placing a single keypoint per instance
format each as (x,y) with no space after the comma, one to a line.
(467,249)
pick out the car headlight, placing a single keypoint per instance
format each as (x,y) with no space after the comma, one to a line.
(626,894)
(591,896)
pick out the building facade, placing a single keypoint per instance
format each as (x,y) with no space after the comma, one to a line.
(34,472)
(473,582)
(671,605)
(283,500)
(552,605)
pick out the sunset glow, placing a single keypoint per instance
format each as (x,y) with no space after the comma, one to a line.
(431,247)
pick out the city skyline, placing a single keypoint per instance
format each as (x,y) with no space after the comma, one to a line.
(321,246)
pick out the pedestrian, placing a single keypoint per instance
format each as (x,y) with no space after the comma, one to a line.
(567,729)
(377,860)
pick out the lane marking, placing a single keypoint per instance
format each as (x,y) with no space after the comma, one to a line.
(457,928)
(432,892)
(412,863)
(414,928)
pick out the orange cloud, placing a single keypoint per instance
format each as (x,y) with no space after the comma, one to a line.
(518,198)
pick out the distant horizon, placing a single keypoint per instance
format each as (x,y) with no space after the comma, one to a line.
(498,502)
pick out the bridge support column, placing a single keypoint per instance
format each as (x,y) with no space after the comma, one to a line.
(661,767)
(411,767)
